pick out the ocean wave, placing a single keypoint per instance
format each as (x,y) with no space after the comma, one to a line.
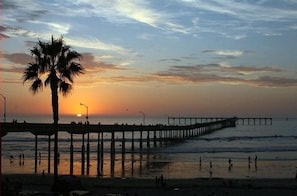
(231,138)
(231,149)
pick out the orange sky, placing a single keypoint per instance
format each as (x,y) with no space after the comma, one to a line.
(189,100)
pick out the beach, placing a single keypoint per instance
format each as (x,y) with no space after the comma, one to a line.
(136,186)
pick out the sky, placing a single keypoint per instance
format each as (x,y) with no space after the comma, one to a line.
(157,57)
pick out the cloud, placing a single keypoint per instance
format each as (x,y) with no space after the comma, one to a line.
(225,53)
(241,16)
(238,19)
(137,11)
(216,73)
(15,31)
(92,43)
(98,71)
(25,10)
(55,27)
(94,65)
(275,81)
(95,43)
(2,35)
(18,58)
(248,70)
(91,63)
(172,60)
(219,68)
(247,11)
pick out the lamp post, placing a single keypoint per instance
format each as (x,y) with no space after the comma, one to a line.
(87,116)
(4,114)
(4,119)
(143,117)
(88,142)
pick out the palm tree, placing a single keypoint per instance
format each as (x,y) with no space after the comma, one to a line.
(59,62)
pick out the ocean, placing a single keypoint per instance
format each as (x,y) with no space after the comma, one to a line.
(246,151)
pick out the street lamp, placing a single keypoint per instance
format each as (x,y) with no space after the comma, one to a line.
(4,114)
(88,145)
(4,119)
(143,117)
(87,116)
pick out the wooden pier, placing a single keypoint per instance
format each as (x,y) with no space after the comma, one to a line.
(155,135)
(240,120)
(254,121)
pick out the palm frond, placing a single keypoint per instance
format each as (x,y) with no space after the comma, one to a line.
(47,81)
(76,68)
(36,85)
(64,88)
(31,72)
(68,75)
(56,47)
(73,55)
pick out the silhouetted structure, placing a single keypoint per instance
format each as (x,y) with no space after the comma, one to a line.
(155,134)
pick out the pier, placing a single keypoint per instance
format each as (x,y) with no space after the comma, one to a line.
(240,120)
(141,138)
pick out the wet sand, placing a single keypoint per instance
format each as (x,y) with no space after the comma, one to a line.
(135,186)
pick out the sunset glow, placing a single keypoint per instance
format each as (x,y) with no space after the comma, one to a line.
(161,57)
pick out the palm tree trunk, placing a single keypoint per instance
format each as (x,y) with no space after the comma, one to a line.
(55,107)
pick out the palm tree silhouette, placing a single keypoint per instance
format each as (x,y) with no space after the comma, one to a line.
(59,62)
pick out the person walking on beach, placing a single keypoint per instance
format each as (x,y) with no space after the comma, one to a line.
(210,169)
(11,158)
(230,164)
(249,162)
(256,159)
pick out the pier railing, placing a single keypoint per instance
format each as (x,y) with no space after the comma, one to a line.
(155,135)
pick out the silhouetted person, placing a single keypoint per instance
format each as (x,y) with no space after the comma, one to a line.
(210,173)
(256,159)
(230,163)
(157,181)
(249,162)
(11,158)
(162,179)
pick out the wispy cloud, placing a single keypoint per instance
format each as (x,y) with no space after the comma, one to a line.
(225,53)
(94,43)
(99,71)
(91,63)
(94,65)
(91,43)
(240,16)
(138,11)
(248,11)
(216,73)
(18,58)
(237,19)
